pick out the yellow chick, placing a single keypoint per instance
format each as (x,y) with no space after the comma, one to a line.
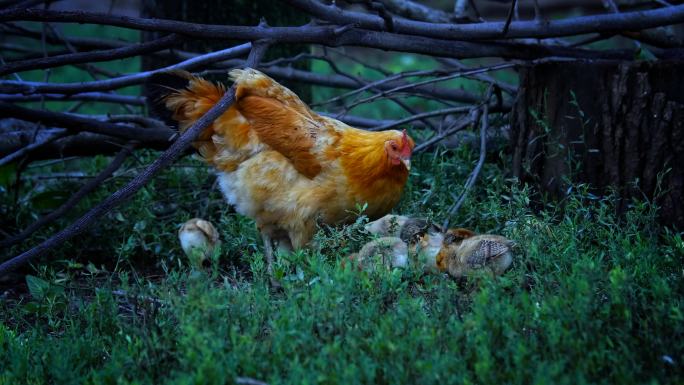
(386,251)
(198,239)
(463,256)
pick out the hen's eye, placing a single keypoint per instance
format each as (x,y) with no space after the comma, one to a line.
(394,147)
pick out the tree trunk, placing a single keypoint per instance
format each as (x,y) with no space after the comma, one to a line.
(610,125)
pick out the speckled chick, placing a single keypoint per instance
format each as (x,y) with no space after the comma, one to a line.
(413,229)
(461,258)
(388,226)
(198,238)
(386,251)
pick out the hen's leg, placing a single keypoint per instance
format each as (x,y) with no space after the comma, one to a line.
(268,252)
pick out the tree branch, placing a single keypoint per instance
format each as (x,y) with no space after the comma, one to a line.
(478,167)
(444,45)
(31,147)
(165,159)
(123,81)
(628,21)
(79,123)
(86,97)
(91,57)
(72,201)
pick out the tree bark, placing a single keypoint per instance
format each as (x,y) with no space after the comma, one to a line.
(613,125)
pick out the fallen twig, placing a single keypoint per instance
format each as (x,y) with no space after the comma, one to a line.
(480,162)
(73,200)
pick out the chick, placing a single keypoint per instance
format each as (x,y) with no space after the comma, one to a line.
(388,226)
(424,247)
(198,238)
(413,229)
(462,257)
(386,251)
(457,235)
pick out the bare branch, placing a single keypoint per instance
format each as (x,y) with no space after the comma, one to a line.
(31,147)
(91,57)
(478,167)
(165,159)
(439,79)
(628,21)
(409,41)
(123,81)
(79,123)
(86,96)
(416,11)
(72,201)
(509,18)
(457,126)
(442,112)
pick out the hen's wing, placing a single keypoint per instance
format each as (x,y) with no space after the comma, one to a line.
(282,121)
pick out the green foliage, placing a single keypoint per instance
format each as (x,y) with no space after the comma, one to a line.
(591,298)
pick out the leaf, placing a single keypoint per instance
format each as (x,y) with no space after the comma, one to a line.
(37,287)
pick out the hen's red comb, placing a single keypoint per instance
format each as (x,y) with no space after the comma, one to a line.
(405,146)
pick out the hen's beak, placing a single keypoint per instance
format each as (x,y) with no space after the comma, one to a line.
(406,162)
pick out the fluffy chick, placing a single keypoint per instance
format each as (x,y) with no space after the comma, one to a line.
(388,226)
(423,238)
(460,258)
(407,228)
(414,229)
(198,238)
(386,251)
(457,235)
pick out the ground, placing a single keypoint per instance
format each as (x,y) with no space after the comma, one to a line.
(591,298)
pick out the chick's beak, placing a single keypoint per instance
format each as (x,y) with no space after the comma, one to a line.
(406,162)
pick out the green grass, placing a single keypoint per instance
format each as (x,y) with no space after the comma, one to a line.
(591,298)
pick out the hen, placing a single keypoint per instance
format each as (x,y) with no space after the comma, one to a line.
(282,164)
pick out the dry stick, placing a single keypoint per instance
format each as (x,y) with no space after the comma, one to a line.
(86,96)
(459,125)
(381,82)
(338,81)
(392,98)
(73,201)
(165,159)
(628,21)
(445,111)
(476,171)
(92,56)
(509,18)
(80,123)
(439,79)
(123,81)
(31,147)
(444,43)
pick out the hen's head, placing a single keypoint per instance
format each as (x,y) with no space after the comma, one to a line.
(399,148)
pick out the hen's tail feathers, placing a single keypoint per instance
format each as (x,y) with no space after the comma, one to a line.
(161,85)
(180,98)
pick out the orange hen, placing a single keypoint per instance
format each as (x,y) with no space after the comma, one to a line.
(285,166)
